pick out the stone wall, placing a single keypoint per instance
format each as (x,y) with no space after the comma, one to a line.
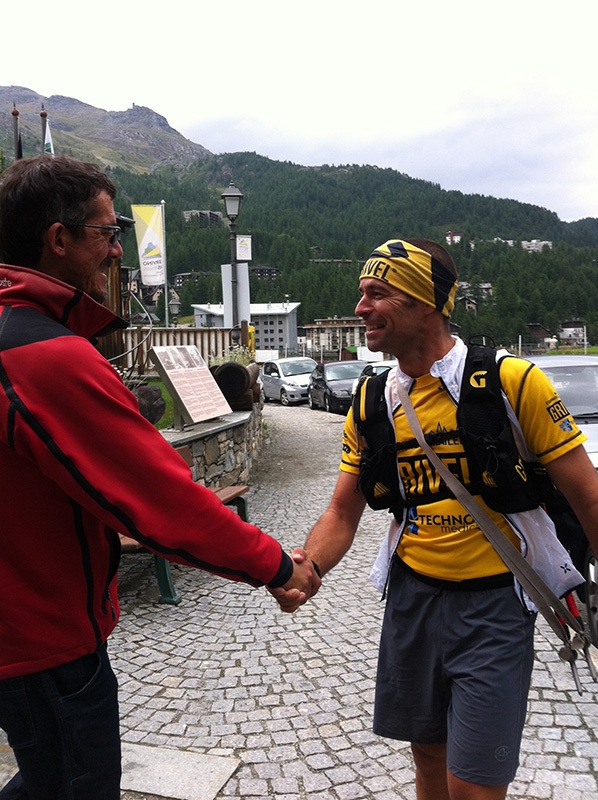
(223,450)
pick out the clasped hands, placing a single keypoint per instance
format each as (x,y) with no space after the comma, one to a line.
(303,584)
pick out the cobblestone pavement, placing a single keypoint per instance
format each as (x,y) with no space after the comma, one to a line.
(226,673)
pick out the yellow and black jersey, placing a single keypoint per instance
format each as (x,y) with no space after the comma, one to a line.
(460,550)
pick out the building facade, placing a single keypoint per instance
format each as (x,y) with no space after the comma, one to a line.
(275,324)
(335,334)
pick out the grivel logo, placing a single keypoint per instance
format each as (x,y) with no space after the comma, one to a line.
(478,379)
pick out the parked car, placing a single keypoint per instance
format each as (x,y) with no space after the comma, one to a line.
(331,385)
(286,379)
(576,380)
(376,368)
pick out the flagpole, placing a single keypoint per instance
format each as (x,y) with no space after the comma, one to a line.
(43,114)
(15,117)
(166,320)
(47,144)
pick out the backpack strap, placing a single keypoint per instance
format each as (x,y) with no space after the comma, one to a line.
(370,413)
(496,469)
(378,475)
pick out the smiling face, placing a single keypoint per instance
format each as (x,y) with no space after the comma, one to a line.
(394,320)
(87,253)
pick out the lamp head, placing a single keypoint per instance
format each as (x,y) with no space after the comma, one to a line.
(232,201)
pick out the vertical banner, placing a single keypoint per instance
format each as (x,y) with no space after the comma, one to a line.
(149,230)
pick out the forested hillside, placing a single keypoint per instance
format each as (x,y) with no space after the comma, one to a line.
(316,224)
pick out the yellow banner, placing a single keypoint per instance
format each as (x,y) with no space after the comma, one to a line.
(149,230)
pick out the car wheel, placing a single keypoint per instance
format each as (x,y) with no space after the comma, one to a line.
(284,398)
(264,398)
(310,402)
(591,575)
(328,404)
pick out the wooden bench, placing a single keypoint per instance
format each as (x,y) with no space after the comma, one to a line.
(233,496)
(229,495)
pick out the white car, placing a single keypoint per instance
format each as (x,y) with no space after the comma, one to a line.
(286,379)
(376,368)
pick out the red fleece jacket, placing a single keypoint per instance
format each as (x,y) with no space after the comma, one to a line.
(79,462)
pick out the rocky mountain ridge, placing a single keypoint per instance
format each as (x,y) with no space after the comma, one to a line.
(137,140)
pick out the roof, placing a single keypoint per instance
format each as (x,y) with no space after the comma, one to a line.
(257,309)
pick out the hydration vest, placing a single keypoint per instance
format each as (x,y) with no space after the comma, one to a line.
(497,471)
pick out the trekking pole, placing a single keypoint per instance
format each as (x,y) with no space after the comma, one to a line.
(572,606)
(569,653)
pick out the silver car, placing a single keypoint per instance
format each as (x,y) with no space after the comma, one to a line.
(575,378)
(286,379)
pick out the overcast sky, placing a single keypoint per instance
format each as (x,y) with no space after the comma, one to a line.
(492,98)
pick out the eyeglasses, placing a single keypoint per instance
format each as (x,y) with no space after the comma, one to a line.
(116,230)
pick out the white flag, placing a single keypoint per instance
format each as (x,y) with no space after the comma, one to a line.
(48,146)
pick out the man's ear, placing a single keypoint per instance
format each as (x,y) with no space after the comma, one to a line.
(54,238)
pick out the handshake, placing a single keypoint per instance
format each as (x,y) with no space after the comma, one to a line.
(303,584)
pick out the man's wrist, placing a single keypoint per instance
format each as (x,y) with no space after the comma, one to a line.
(285,572)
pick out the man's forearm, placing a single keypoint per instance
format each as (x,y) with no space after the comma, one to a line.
(333,534)
(576,478)
(328,541)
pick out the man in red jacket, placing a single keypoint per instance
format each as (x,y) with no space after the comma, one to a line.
(78,462)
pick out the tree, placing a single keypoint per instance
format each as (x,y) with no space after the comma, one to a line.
(297,214)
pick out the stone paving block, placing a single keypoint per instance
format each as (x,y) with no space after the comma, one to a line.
(177,774)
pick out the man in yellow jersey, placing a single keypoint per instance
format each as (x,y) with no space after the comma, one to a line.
(456,651)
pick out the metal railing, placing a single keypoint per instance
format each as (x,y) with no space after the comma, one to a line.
(138,342)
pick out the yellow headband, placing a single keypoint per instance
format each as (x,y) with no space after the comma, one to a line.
(414,272)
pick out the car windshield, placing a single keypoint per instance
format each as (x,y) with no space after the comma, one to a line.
(343,372)
(297,367)
(378,369)
(577,387)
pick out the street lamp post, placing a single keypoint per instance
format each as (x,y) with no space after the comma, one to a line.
(174,305)
(232,201)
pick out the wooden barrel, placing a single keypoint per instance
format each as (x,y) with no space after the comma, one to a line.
(254,373)
(232,378)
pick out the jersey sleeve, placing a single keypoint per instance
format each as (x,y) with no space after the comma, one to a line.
(547,425)
(351,447)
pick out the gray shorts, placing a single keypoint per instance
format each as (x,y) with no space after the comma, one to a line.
(455,668)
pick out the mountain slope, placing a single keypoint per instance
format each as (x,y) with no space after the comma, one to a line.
(137,140)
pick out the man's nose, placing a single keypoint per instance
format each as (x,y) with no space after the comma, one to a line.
(117,250)
(361,307)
